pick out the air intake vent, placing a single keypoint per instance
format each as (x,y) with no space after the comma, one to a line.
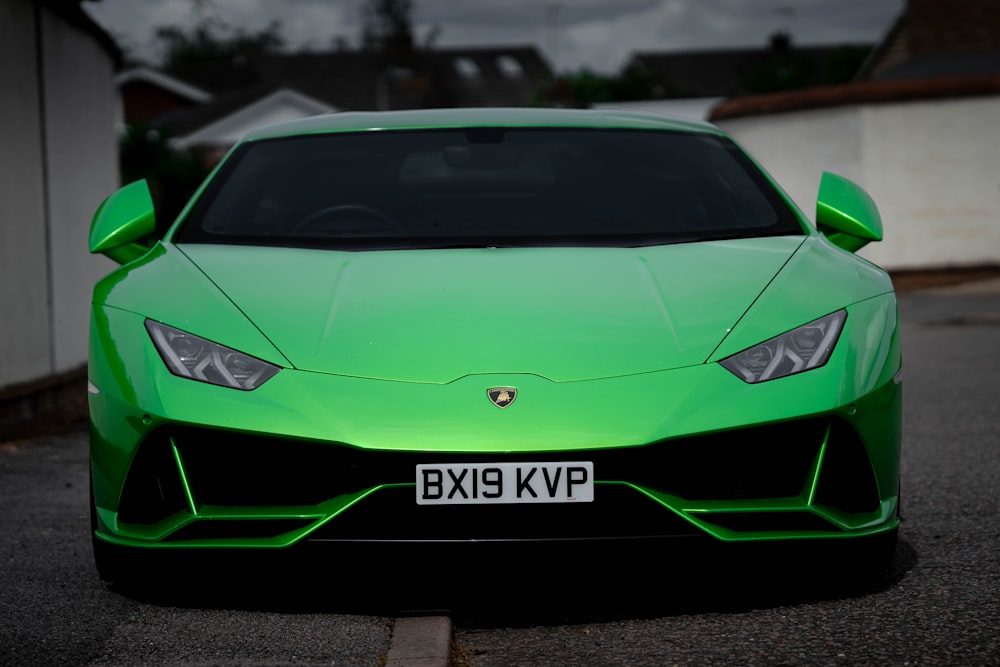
(846,480)
(153,489)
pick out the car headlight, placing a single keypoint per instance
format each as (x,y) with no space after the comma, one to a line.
(799,350)
(192,357)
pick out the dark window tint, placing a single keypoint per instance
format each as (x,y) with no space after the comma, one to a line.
(487,186)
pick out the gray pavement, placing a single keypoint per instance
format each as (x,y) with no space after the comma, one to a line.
(55,611)
(987,287)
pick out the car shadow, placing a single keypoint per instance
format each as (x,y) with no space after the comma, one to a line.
(502,590)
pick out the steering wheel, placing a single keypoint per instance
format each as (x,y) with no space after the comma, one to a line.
(345,219)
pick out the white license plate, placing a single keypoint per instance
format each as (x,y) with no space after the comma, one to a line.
(505,483)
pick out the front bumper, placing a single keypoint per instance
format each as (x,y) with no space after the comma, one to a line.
(313,457)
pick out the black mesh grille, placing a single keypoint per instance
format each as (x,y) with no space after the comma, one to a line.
(769,521)
(764,462)
(846,481)
(233,469)
(617,511)
(237,528)
(153,489)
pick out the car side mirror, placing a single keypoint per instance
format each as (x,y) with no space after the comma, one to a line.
(846,214)
(123,222)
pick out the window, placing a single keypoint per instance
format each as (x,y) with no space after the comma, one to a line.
(510,67)
(487,186)
(467,68)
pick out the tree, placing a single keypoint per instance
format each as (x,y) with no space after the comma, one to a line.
(843,63)
(172,175)
(144,152)
(387,25)
(215,40)
(585,88)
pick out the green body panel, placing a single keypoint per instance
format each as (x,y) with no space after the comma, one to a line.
(435,316)
(121,221)
(394,351)
(548,417)
(819,279)
(167,287)
(846,213)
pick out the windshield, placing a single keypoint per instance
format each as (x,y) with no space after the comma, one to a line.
(487,187)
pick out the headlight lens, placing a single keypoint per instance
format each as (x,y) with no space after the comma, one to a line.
(799,350)
(192,357)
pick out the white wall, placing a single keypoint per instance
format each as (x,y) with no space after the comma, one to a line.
(58,159)
(24,275)
(82,162)
(933,168)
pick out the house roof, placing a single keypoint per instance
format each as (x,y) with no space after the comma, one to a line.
(342,80)
(277,106)
(185,120)
(735,72)
(864,92)
(146,75)
(363,79)
(937,65)
(934,50)
(934,39)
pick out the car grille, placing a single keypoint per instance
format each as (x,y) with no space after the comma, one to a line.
(392,515)
(224,468)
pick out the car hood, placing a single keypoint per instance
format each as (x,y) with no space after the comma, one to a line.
(437,315)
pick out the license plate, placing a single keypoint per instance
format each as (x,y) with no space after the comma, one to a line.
(505,483)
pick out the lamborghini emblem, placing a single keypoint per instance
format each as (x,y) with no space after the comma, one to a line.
(502,396)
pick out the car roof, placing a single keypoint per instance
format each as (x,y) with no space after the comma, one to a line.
(355,121)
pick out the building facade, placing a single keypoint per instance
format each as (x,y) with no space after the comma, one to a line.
(57,132)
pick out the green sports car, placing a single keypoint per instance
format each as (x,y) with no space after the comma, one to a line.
(512,325)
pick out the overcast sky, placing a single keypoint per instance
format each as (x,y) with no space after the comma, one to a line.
(572,34)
